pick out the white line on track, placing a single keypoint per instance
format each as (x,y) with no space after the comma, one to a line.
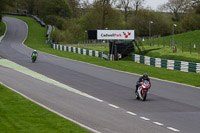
(158,123)
(131,113)
(144,118)
(99,100)
(173,129)
(114,106)
(84,126)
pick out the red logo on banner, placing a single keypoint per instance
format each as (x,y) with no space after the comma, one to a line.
(126,35)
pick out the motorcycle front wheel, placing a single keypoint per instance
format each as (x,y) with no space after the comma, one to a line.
(33,60)
(144,96)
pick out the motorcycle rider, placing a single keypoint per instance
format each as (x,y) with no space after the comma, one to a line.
(144,77)
(34,53)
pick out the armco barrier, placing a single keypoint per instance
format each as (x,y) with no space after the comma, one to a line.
(81,51)
(38,20)
(168,64)
(48,34)
(28,15)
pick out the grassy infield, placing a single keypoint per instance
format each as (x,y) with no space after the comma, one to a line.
(2,28)
(20,115)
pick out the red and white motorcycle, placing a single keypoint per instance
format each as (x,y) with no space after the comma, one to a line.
(143,90)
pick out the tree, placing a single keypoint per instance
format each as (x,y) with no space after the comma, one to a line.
(103,6)
(93,19)
(127,7)
(58,7)
(30,6)
(39,8)
(140,23)
(137,4)
(177,7)
(75,6)
(195,3)
(3,5)
(190,22)
(197,9)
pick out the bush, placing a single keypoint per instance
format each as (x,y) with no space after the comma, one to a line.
(66,36)
(2,28)
(191,22)
(57,21)
(75,29)
(58,36)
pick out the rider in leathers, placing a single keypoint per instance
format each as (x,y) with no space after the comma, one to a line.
(138,83)
(34,52)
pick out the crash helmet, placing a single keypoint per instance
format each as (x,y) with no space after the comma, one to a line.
(145,76)
(35,50)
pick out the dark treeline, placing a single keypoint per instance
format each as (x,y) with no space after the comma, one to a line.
(72,18)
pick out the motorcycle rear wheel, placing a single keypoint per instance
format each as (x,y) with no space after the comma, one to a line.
(33,59)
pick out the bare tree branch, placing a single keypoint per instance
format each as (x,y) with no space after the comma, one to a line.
(177,7)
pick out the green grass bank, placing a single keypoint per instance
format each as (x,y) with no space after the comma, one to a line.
(188,47)
(2,28)
(38,42)
(19,115)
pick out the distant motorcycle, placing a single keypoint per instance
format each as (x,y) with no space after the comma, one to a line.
(34,57)
(143,90)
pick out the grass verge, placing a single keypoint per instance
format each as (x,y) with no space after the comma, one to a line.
(167,53)
(123,65)
(2,28)
(19,115)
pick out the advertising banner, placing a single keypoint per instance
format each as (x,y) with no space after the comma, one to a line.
(115,34)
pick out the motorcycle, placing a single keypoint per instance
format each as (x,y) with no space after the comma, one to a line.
(34,57)
(143,90)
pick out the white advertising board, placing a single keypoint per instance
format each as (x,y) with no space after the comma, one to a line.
(115,34)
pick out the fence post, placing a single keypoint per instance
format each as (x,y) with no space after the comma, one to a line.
(176,50)
(182,46)
(153,41)
(199,48)
(171,44)
(163,42)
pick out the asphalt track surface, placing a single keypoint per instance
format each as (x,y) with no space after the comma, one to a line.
(170,107)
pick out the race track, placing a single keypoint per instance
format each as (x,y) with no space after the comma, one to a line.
(170,107)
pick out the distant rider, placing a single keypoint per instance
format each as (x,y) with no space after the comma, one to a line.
(34,53)
(141,79)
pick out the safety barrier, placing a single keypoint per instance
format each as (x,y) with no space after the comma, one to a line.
(48,34)
(168,64)
(81,51)
(36,18)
